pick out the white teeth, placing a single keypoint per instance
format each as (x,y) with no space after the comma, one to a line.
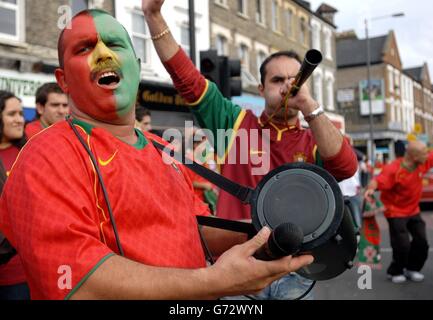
(107,74)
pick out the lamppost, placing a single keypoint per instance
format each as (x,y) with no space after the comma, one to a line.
(370,107)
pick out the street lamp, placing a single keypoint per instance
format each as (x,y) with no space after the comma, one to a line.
(370,108)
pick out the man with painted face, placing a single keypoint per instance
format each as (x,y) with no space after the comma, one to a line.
(53,210)
(284,140)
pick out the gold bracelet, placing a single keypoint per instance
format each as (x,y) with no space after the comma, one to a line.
(161,34)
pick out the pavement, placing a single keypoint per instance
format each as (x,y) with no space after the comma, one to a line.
(345,286)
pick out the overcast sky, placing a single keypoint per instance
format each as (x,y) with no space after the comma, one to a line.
(414,31)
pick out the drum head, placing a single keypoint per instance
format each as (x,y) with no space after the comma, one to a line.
(303,194)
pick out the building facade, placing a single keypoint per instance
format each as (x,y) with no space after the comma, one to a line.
(252,30)
(156,91)
(423,102)
(391,95)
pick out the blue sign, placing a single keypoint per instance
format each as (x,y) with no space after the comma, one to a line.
(251,102)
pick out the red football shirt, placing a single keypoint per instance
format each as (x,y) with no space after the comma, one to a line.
(246,163)
(401,188)
(54,213)
(33,128)
(12,272)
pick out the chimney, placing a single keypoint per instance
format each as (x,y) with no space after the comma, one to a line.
(345,35)
(327,12)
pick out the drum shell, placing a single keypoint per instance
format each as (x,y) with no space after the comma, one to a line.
(336,255)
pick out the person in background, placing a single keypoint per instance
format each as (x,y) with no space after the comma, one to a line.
(400,183)
(51,107)
(12,138)
(143,119)
(155,252)
(286,141)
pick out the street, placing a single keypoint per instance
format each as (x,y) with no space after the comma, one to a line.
(345,287)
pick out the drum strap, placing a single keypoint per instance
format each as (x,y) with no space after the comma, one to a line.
(238,191)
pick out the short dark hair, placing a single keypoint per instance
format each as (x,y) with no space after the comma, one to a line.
(290,54)
(5,96)
(44,90)
(141,112)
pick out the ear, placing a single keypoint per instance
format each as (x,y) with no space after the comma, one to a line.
(61,81)
(261,89)
(40,108)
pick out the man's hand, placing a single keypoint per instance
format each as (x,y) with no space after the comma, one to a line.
(302,101)
(151,7)
(238,272)
(371,188)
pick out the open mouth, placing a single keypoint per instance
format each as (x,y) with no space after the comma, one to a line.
(108,79)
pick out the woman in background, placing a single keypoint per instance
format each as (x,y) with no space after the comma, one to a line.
(12,278)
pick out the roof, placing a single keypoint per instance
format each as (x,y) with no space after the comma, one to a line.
(324,7)
(307,6)
(352,52)
(414,73)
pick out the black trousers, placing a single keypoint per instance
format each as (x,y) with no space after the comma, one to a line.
(406,253)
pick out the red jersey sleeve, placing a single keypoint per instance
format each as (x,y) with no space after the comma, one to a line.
(51,217)
(186,78)
(386,179)
(344,164)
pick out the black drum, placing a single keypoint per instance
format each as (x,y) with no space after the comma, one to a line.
(309,197)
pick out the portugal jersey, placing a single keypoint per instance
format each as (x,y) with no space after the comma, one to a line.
(53,210)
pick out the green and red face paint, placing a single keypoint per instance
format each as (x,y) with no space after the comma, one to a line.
(101,70)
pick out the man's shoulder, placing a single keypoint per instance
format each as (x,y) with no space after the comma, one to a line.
(49,142)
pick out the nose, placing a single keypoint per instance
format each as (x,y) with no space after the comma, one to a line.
(102,53)
(19,119)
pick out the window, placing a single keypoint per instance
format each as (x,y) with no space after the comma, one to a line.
(78,5)
(140,37)
(10,19)
(391,80)
(221,45)
(328,44)
(318,92)
(244,56)
(289,22)
(330,94)
(316,36)
(302,31)
(260,12)
(261,56)
(275,16)
(242,7)
(184,37)
(221,2)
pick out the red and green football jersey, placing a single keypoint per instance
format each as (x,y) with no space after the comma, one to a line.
(54,213)
(253,149)
(243,162)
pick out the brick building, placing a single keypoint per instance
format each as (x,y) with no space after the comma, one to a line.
(251,30)
(392,119)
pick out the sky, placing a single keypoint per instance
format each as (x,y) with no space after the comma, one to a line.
(414,31)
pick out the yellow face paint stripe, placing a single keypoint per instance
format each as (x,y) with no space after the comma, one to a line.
(101,50)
